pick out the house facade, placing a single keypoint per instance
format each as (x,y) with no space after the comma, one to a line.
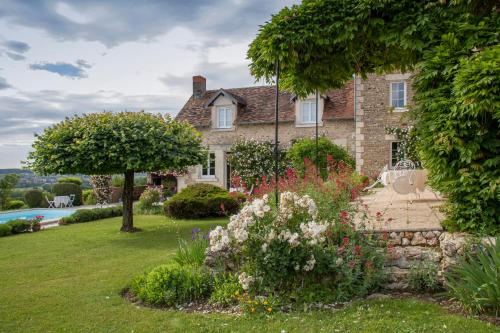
(354,117)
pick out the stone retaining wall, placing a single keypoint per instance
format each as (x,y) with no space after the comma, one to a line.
(407,248)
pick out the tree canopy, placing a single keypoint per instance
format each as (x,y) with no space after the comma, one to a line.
(111,143)
(452,47)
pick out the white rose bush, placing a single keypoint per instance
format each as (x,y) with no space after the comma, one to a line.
(305,249)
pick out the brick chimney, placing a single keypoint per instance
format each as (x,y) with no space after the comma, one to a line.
(199,86)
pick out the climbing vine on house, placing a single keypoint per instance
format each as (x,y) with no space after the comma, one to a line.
(408,139)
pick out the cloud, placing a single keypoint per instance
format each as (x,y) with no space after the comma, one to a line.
(114,22)
(64,68)
(218,75)
(27,113)
(17,46)
(15,56)
(4,84)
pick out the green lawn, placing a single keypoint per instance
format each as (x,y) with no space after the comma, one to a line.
(68,279)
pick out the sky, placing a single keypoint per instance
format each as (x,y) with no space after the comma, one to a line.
(60,58)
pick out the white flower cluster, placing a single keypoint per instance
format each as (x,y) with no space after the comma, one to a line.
(310,264)
(287,236)
(219,239)
(313,232)
(245,280)
(289,201)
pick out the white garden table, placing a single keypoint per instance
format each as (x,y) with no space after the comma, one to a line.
(61,200)
(415,180)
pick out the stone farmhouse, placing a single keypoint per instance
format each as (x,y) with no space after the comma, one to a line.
(354,117)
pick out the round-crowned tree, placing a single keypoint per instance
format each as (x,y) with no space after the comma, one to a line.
(112,143)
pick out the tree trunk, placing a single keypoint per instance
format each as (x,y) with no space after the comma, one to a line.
(128,200)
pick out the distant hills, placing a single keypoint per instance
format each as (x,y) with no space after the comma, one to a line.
(16,171)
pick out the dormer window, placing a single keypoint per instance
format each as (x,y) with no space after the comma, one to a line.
(308,111)
(224,117)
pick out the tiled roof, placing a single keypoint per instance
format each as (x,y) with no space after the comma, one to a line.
(260,102)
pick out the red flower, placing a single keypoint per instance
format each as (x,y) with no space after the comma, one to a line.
(352,263)
(357,250)
(39,217)
(345,241)
(369,265)
(340,250)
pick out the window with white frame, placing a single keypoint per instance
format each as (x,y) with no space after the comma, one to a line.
(308,111)
(208,168)
(395,153)
(398,95)
(224,117)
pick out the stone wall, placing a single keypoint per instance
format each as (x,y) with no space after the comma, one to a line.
(407,248)
(373,114)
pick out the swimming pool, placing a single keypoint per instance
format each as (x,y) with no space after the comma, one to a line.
(48,214)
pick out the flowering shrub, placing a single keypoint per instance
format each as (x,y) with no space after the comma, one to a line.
(293,246)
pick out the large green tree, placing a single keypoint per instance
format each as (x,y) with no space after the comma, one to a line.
(111,143)
(452,47)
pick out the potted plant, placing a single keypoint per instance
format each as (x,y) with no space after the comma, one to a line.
(35,223)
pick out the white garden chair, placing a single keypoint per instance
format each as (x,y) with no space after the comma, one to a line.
(380,179)
(71,200)
(50,202)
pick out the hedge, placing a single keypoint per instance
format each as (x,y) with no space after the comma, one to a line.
(34,198)
(68,189)
(202,200)
(87,215)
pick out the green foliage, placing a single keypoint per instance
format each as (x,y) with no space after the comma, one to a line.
(73,180)
(251,160)
(68,189)
(408,138)
(459,126)
(15,204)
(117,181)
(19,226)
(227,290)
(35,198)
(5,230)
(453,45)
(89,197)
(305,149)
(200,201)
(191,253)
(475,280)
(140,181)
(423,277)
(7,184)
(172,285)
(112,143)
(148,202)
(87,215)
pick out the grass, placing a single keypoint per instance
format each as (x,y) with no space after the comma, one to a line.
(69,279)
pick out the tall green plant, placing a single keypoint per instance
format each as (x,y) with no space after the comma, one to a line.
(251,160)
(475,280)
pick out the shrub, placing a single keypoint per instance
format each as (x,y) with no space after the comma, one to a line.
(68,189)
(475,280)
(299,249)
(5,230)
(200,201)
(89,197)
(15,204)
(35,198)
(117,181)
(329,155)
(72,180)
(19,226)
(227,290)
(172,285)
(86,215)
(423,276)
(191,253)
(149,197)
(7,184)
(251,160)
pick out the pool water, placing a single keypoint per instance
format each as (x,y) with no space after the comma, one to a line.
(48,214)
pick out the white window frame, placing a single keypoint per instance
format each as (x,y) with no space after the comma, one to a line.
(312,111)
(390,153)
(206,168)
(405,90)
(225,121)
